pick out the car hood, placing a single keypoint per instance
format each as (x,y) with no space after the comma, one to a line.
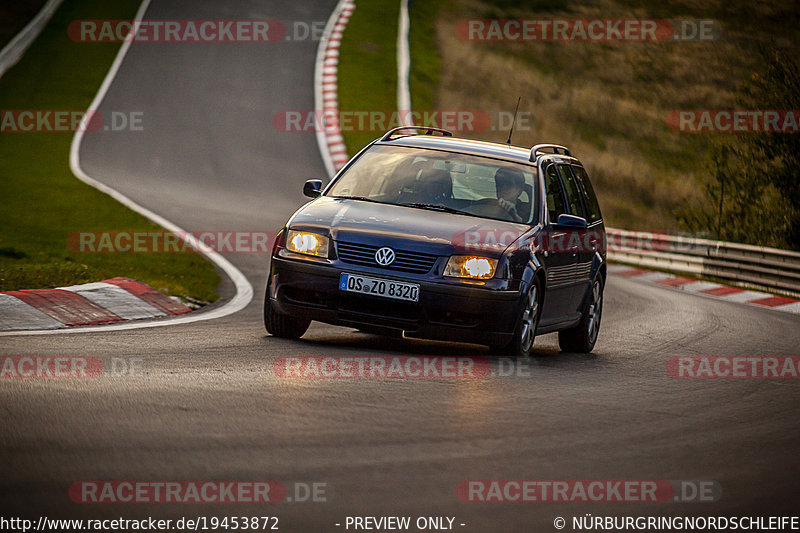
(406,228)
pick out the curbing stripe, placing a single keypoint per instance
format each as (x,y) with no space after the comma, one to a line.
(117,300)
(708,289)
(701,286)
(67,307)
(773,301)
(722,290)
(103,302)
(150,295)
(16,314)
(675,281)
(332,149)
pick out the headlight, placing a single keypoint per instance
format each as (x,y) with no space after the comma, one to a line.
(304,242)
(470,266)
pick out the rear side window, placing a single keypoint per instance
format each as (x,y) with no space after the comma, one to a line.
(591,198)
(574,200)
(555,196)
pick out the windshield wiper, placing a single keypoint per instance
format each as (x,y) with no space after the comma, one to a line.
(362,198)
(437,207)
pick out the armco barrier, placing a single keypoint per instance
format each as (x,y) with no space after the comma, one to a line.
(742,264)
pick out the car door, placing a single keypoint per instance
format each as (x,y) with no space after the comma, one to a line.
(558,260)
(596,236)
(582,252)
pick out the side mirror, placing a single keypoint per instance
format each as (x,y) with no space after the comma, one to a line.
(312,188)
(571,222)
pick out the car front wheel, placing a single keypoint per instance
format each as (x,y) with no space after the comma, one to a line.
(525,332)
(581,338)
(280,325)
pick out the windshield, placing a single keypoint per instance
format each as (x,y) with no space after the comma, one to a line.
(445,181)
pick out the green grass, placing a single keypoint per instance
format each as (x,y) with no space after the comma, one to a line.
(368,66)
(424,75)
(607,101)
(368,63)
(43,203)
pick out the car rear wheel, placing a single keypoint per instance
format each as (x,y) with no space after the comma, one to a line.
(525,332)
(582,338)
(280,325)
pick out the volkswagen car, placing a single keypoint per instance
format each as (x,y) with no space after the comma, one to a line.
(426,235)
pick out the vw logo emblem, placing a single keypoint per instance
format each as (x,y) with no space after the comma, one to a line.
(384,256)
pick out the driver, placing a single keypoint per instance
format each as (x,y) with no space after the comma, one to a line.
(509,183)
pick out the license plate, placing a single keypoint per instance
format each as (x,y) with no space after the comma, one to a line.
(379,287)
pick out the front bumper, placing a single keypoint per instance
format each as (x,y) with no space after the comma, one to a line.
(445,311)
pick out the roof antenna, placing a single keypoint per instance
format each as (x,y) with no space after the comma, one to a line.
(513,121)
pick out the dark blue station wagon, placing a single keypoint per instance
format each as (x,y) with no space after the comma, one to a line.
(426,235)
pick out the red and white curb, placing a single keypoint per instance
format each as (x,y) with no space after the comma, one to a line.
(708,288)
(103,302)
(326,96)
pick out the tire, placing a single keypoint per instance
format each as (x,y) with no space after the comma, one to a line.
(582,338)
(280,325)
(525,332)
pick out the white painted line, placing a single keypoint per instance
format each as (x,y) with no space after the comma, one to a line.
(403,67)
(17,315)
(15,49)
(244,291)
(116,299)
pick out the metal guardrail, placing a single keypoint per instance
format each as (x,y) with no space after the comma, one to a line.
(740,264)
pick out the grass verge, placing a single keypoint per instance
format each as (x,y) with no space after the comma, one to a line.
(43,203)
(607,101)
(368,69)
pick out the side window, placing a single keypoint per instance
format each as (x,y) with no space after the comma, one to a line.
(573,193)
(555,196)
(591,198)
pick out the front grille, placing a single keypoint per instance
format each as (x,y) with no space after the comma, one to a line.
(405,261)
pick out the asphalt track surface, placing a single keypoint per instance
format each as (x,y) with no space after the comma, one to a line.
(211,408)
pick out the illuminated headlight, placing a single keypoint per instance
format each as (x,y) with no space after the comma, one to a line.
(470,266)
(303,242)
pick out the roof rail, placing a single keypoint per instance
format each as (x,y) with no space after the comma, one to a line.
(555,147)
(389,135)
